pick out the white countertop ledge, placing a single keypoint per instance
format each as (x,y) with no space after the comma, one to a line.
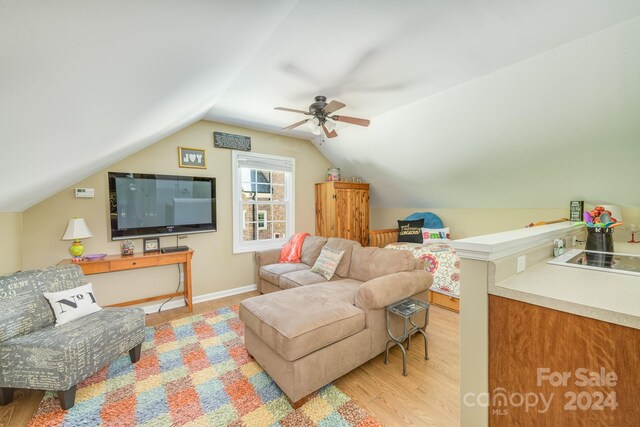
(610,297)
(498,245)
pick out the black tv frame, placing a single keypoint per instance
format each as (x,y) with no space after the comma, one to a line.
(169,230)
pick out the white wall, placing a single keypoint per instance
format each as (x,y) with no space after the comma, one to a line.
(557,127)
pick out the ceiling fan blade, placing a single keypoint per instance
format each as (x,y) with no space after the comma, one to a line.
(331,134)
(292,110)
(295,125)
(352,120)
(333,106)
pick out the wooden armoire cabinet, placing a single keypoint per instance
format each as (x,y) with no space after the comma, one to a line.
(342,210)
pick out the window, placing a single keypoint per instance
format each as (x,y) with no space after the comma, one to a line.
(263,205)
(262,220)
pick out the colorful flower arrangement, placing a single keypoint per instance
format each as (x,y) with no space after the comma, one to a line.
(599,217)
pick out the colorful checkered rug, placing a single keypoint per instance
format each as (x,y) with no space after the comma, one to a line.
(195,372)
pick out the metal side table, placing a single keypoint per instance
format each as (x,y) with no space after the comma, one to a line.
(405,309)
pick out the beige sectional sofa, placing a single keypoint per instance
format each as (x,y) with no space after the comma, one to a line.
(316,330)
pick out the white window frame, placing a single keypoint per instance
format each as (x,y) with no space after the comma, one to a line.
(239,245)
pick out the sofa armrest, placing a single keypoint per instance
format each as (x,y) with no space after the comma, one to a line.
(266,257)
(385,290)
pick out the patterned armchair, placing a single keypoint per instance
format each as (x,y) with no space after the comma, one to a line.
(35,354)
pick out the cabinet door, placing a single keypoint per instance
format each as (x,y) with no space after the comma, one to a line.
(363,217)
(352,219)
(325,210)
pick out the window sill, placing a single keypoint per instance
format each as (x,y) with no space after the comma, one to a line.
(255,247)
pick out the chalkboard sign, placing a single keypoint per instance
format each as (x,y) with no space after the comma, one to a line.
(229,140)
(576,209)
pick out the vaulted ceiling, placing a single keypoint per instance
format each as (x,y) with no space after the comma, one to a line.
(463,95)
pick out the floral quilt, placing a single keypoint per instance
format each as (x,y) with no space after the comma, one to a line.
(441,261)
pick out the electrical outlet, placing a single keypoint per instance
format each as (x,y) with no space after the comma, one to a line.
(181,277)
(522,264)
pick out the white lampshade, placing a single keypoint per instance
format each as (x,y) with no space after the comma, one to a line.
(330,125)
(313,123)
(77,229)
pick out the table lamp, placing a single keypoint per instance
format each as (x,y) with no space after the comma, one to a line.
(77,229)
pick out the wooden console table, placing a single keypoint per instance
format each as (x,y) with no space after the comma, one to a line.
(141,260)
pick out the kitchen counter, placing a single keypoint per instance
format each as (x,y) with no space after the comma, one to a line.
(533,312)
(609,297)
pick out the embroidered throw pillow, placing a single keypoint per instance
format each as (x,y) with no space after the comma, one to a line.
(73,303)
(327,262)
(436,235)
(410,231)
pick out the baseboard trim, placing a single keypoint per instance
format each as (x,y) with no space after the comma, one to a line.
(200,298)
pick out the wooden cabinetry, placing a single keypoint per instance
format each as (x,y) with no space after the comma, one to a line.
(142,260)
(342,210)
(529,345)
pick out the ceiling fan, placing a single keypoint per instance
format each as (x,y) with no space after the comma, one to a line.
(323,118)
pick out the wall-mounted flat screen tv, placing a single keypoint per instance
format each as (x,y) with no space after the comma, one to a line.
(144,205)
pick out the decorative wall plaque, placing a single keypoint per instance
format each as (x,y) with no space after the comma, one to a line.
(191,158)
(230,140)
(576,209)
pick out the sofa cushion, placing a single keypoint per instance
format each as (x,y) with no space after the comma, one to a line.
(272,272)
(311,249)
(346,246)
(300,321)
(299,278)
(344,290)
(370,262)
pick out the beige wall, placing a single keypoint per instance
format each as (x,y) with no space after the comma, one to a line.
(11,242)
(215,267)
(477,222)
(469,222)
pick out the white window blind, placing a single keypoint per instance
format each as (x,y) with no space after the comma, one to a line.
(264,163)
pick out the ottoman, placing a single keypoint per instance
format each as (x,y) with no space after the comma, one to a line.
(304,338)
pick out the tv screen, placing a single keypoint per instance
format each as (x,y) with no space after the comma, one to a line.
(143,205)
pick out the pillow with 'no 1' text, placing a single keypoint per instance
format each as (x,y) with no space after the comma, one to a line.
(73,303)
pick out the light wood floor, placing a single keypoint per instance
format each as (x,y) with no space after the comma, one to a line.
(428,396)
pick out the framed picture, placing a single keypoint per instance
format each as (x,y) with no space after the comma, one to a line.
(152,244)
(191,158)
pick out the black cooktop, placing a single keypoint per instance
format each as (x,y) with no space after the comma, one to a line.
(607,260)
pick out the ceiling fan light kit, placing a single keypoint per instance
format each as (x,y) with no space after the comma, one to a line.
(313,123)
(330,124)
(321,119)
